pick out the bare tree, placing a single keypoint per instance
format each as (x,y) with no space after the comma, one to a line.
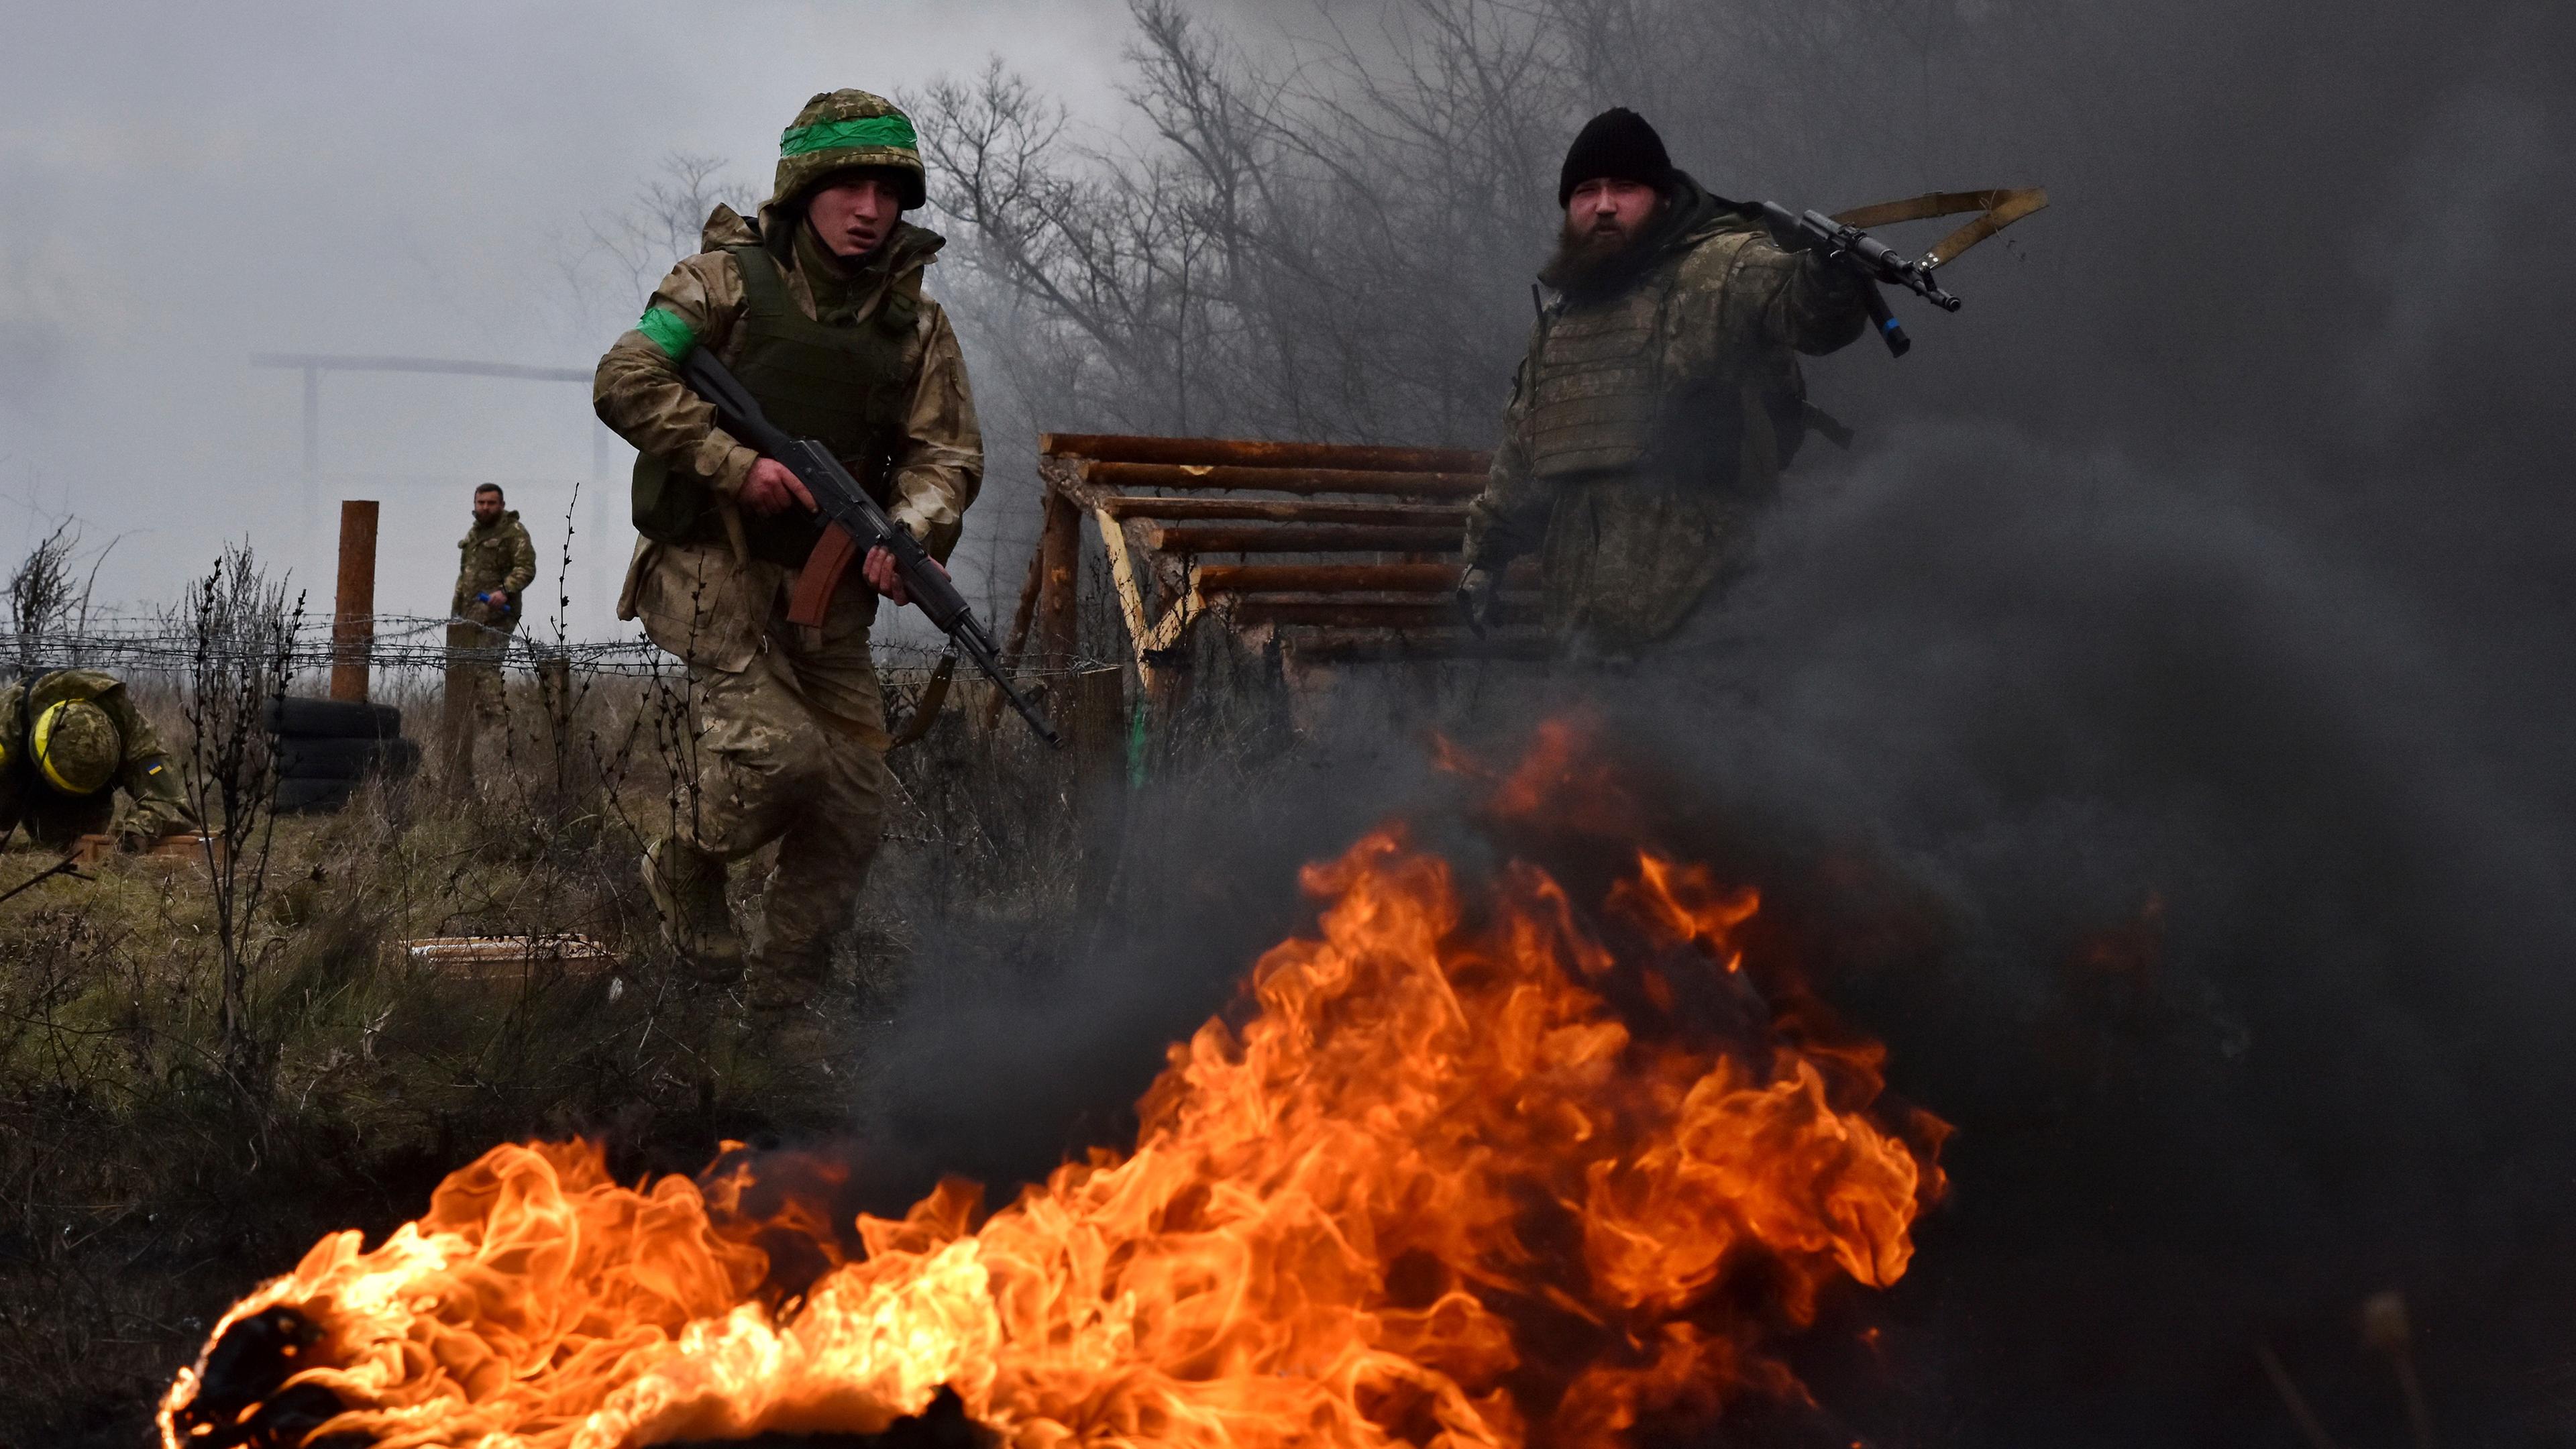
(613,267)
(49,598)
(1330,236)
(241,632)
(1307,248)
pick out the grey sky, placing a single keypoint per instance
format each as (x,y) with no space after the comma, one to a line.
(188,185)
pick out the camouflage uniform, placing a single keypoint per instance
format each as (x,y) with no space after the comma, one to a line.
(790,728)
(134,761)
(1648,422)
(499,556)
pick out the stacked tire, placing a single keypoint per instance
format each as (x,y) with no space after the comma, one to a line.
(327,747)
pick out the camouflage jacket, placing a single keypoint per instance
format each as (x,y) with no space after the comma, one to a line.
(501,557)
(638,391)
(1628,549)
(148,775)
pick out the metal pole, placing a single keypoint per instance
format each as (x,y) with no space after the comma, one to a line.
(353,616)
(312,421)
(312,443)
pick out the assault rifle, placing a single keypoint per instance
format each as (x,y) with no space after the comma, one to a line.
(1866,255)
(854,523)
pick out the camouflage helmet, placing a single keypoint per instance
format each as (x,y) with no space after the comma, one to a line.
(75,746)
(842,129)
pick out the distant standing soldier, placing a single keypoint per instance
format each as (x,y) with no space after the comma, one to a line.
(818,309)
(69,741)
(1659,399)
(496,563)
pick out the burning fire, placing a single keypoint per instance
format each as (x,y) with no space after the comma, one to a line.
(1436,1190)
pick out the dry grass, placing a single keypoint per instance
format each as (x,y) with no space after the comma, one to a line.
(146,1178)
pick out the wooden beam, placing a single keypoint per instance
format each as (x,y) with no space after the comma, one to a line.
(1060,570)
(1131,597)
(1415,578)
(1303,538)
(1397,612)
(1129,448)
(1386,482)
(1276,510)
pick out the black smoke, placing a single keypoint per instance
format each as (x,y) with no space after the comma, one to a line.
(2156,724)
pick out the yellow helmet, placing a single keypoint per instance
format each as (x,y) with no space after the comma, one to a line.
(76,747)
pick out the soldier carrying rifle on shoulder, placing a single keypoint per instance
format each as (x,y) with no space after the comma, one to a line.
(1661,394)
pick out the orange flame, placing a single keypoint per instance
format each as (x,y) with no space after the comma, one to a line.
(1434,1192)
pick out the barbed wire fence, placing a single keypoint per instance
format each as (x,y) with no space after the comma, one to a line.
(148,643)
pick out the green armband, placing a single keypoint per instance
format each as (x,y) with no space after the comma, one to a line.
(667,330)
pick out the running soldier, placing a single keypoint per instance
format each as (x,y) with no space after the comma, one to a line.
(817,306)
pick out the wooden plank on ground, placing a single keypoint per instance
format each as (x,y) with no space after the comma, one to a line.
(490,955)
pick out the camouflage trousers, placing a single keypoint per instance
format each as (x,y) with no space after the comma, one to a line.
(786,738)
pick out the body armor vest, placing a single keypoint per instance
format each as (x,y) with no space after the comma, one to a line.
(1601,400)
(1597,384)
(843,386)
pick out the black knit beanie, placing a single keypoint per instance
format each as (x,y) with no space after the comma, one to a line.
(1617,144)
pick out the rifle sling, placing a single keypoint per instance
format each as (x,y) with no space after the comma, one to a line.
(820,577)
(925,711)
(1998,208)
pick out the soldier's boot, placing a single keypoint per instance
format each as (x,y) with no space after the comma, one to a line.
(687,886)
(784,978)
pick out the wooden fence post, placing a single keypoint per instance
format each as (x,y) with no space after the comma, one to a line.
(1060,573)
(353,613)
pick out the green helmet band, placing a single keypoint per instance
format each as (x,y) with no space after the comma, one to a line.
(892,131)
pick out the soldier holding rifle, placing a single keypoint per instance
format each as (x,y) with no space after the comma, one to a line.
(496,561)
(1659,399)
(817,308)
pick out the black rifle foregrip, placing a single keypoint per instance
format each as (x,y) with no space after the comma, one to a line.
(1883,317)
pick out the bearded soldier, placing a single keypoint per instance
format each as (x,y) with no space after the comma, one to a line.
(818,308)
(1659,399)
(69,741)
(496,563)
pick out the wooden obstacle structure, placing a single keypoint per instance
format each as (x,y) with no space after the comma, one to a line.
(1331,553)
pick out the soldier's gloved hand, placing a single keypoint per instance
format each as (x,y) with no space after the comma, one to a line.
(1476,596)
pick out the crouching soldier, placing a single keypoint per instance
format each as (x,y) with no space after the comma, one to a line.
(69,741)
(818,309)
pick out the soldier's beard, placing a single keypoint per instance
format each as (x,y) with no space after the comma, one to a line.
(1590,257)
